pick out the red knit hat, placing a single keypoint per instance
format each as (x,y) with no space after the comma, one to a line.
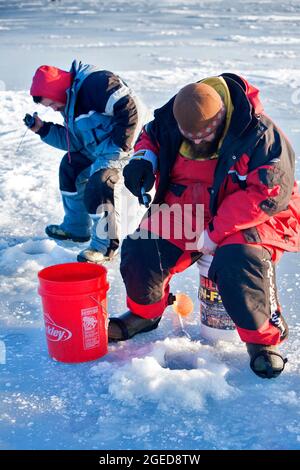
(51,82)
(197,107)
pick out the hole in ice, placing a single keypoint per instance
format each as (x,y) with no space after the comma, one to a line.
(179,360)
(37,247)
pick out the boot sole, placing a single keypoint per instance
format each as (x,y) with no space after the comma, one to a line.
(70,237)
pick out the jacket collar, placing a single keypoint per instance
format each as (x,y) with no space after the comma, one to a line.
(243,111)
(242,115)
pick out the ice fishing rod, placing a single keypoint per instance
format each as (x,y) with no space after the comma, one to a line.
(182,304)
(145,197)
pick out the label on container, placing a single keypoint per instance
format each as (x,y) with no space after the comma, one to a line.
(90,327)
(55,332)
(213,313)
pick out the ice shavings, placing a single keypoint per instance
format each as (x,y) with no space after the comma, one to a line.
(177,374)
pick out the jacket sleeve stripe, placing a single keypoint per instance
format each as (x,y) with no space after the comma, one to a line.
(146,155)
(82,116)
(114,98)
(240,177)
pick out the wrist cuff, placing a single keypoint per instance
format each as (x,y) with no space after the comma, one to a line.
(146,155)
(43,131)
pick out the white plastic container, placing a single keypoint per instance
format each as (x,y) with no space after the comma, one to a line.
(216,324)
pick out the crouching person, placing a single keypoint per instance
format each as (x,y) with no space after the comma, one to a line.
(212,145)
(102,119)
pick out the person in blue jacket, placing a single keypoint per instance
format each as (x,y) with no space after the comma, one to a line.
(102,120)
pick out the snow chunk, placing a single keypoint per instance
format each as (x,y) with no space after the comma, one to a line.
(177,374)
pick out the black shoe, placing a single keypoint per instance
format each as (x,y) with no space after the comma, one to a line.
(265,360)
(128,325)
(54,231)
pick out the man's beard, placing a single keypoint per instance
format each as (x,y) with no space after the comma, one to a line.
(205,149)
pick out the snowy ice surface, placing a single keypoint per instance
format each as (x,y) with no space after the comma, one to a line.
(160,390)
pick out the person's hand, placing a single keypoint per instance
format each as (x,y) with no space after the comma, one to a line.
(34,123)
(37,124)
(206,245)
(138,174)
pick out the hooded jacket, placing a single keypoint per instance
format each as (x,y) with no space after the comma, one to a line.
(102,117)
(253,189)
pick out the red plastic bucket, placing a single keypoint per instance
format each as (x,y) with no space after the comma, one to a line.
(74,298)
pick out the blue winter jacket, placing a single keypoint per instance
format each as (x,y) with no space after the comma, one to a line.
(102,118)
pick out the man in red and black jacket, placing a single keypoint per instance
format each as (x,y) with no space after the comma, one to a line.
(212,146)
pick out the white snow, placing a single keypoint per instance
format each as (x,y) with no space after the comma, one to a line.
(160,390)
(176,374)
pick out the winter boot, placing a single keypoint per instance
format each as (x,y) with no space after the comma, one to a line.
(128,325)
(56,232)
(265,360)
(89,255)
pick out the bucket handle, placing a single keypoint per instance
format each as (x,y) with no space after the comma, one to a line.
(103,309)
(99,303)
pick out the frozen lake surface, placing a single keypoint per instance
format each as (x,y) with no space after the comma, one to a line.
(160,390)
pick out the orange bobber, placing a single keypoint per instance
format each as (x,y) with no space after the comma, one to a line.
(183,305)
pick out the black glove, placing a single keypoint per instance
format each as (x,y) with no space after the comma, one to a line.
(29,120)
(138,174)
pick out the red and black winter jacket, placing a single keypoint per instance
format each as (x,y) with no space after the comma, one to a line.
(253,190)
